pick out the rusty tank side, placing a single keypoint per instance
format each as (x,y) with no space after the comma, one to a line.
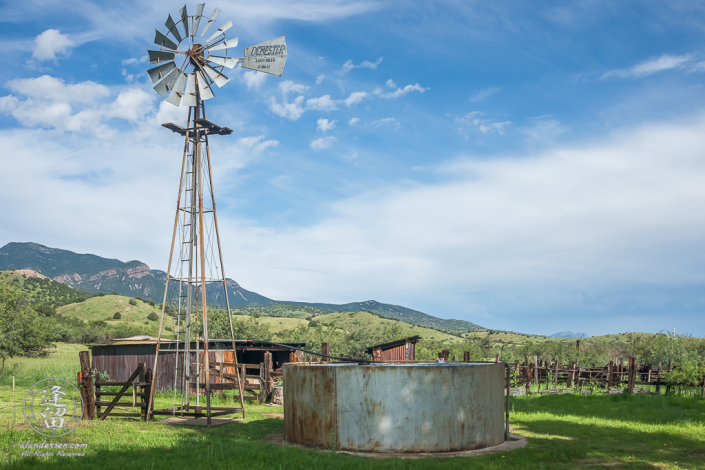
(434,407)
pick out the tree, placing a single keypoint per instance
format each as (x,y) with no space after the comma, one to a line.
(153,316)
(21,331)
(117,316)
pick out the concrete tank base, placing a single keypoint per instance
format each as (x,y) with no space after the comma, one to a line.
(433,407)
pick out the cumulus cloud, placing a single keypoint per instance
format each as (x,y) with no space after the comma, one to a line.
(348,66)
(50,43)
(291,111)
(324,103)
(325,125)
(322,143)
(353,121)
(253,79)
(355,98)
(650,66)
(287,86)
(399,91)
(320,78)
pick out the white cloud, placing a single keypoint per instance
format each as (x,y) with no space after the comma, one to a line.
(484,125)
(47,88)
(320,79)
(136,60)
(348,66)
(324,103)
(484,93)
(291,111)
(390,121)
(651,66)
(353,121)
(132,105)
(287,86)
(322,143)
(391,84)
(399,91)
(355,98)
(50,43)
(253,79)
(257,144)
(325,125)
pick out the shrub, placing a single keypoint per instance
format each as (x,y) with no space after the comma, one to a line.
(151,302)
(101,294)
(132,302)
(117,316)
(313,324)
(114,293)
(139,298)
(153,316)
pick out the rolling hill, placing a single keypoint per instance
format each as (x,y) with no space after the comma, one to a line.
(40,289)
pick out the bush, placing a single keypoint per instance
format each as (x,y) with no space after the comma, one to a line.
(153,316)
(313,324)
(114,293)
(117,316)
(151,302)
(132,302)
(138,298)
(101,294)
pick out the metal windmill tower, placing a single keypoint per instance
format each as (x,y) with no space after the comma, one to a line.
(195,274)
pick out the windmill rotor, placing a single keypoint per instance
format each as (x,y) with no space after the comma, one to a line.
(205,56)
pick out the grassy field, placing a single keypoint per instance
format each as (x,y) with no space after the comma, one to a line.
(277,324)
(564,432)
(104,307)
(345,320)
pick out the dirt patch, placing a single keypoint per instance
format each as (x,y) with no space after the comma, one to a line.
(515,442)
(274,415)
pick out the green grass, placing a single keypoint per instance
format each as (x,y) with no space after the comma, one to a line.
(564,431)
(347,320)
(282,310)
(277,324)
(103,308)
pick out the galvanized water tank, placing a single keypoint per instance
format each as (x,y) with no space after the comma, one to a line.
(420,407)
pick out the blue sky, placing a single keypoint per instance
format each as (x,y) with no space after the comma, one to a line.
(532,167)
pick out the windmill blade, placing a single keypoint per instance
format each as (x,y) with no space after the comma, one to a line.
(184,20)
(273,47)
(197,20)
(189,98)
(224,45)
(171,26)
(226,61)
(228,24)
(203,87)
(161,40)
(167,83)
(216,76)
(273,65)
(160,56)
(215,14)
(178,90)
(160,71)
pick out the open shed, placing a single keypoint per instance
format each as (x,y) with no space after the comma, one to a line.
(400,350)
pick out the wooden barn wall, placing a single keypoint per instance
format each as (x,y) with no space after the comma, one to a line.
(120,361)
(405,352)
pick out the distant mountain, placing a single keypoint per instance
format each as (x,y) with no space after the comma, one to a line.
(398,313)
(94,274)
(569,334)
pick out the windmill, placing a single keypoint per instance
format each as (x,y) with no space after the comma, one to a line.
(188,64)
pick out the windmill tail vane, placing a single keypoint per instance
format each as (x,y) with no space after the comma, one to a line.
(193,52)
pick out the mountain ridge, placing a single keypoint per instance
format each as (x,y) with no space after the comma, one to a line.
(96,274)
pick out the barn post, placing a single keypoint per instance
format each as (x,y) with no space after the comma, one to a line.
(325,350)
(87,393)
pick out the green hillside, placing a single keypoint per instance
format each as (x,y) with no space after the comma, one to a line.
(276,324)
(282,310)
(355,320)
(42,290)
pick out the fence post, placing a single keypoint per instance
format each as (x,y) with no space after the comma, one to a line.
(325,349)
(87,386)
(536,369)
(506,404)
(262,388)
(149,378)
(143,390)
(632,375)
(571,366)
(268,372)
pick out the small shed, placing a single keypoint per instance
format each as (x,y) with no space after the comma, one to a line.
(399,350)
